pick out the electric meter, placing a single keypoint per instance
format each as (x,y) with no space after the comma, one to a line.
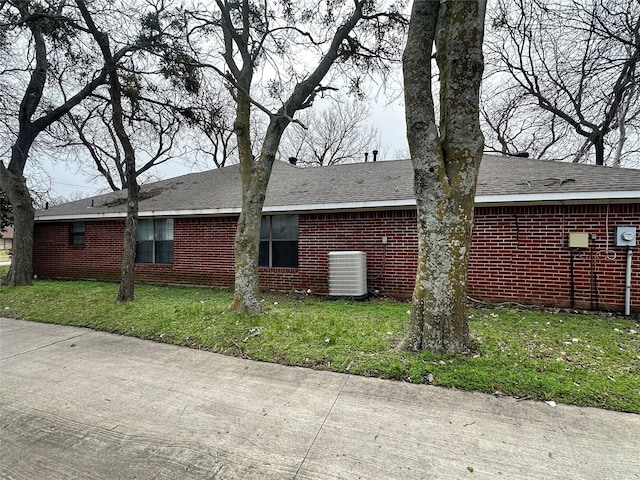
(625,236)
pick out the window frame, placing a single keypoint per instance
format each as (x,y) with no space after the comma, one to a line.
(76,233)
(272,259)
(161,233)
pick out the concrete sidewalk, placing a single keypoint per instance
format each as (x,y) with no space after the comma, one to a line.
(82,404)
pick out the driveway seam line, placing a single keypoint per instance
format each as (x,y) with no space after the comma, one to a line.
(43,346)
(313,442)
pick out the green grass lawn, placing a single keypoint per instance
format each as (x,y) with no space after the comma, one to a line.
(579,359)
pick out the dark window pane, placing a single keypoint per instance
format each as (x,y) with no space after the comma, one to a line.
(265,224)
(164,251)
(76,233)
(144,252)
(77,239)
(279,241)
(145,230)
(263,259)
(77,227)
(169,228)
(163,229)
(284,227)
(285,254)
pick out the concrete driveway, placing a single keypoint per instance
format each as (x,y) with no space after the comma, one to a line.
(82,404)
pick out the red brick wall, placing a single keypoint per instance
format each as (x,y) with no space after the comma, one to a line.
(99,258)
(519,254)
(202,254)
(320,234)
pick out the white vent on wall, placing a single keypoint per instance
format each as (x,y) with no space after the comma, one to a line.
(348,274)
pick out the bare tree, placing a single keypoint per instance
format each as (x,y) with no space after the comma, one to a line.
(446,151)
(125,292)
(56,52)
(514,125)
(156,129)
(628,120)
(578,62)
(336,134)
(210,118)
(37,27)
(262,44)
(155,115)
(90,129)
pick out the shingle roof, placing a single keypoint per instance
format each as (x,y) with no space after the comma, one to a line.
(511,175)
(388,184)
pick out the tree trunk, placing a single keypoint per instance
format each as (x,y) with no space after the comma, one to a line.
(446,161)
(247,243)
(622,138)
(255,179)
(16,190)
(127,279)
(255,173)
(598,143)
(247,240)
(439,302)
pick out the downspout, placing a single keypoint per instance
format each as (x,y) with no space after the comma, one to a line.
(627,292)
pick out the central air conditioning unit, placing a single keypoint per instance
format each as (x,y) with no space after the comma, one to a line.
(348,275)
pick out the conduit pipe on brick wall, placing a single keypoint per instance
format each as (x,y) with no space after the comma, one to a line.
(627,291)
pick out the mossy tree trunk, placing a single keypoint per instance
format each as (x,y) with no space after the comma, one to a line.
(446,153)
(242,61)
(255,175)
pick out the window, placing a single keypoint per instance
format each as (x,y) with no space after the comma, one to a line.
(155,241)
(76,233)
(279,241)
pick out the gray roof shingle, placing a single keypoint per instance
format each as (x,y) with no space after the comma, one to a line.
(384,184)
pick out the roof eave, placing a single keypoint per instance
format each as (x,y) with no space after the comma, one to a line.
(565,198)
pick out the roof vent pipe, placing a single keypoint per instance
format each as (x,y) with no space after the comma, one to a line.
(375,155)
(366,157)
(293,160)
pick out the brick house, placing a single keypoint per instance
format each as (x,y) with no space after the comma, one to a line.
(6,241)
(527,211)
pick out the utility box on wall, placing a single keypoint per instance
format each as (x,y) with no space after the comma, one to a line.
(626,236)
(578,240)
